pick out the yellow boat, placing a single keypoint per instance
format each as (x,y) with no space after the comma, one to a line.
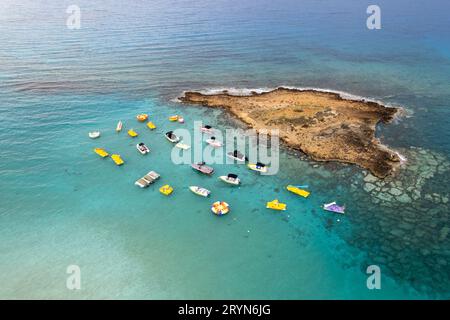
(117,159)
(151,125)
(275,205)
(142,117)
(298,191)
(173,118)
(101,152)
(166,189)
(132,133)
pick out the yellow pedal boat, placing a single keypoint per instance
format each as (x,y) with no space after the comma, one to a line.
(275,205)
(142,117)
(166,189)
(151,125)
(132,133)
(117,159)
(298,191)
(173,118)
(101,152)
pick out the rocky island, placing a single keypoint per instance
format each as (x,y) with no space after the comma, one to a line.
(324,125)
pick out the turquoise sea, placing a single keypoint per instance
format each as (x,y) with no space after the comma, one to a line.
(61,205)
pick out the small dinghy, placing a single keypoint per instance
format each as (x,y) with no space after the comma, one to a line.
(201,167)
(200,191)
(173,118)
(142,148)
(151,125)
(213,142)
(276,205)
(207,129)
(333,207)
(183,146)
(260,167)
(94,134)
(220,208)
(297,190)
(236,155)
(132,133)
(119,126)
(180,119)
(171,137)
(142,117)
(231,178)
(117,159)
(101,152)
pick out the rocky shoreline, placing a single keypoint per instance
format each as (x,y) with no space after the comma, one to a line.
(323,125)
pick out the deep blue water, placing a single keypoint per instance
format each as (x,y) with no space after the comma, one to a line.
(62,205)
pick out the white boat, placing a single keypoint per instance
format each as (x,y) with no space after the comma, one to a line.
(213,142)
(147,180)
(119,126)
(236,155)
(171,137)
(231,178)
(182,145)
(260,167)
(207,129)
(142,148)
(200,191)
(180,119)
(94,134)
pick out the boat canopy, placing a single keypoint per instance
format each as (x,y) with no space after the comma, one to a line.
(232,175)
(207,127)
(259,164)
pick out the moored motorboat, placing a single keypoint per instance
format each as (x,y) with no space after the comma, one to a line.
(214,142)
(173,118)
(207,129)
(260,167)
(276,205)
(166,189)
(142,148)
(94,134)
(200,191)
(297,190)
(231,178)
(180,119)
(132,133)
(236,155)
(101,152)
(151,125)
(171,137)
(220,208)
(201,167)
(142,117)
(117,159)
(333,207)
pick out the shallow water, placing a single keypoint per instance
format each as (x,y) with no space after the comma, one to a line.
(61,204)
